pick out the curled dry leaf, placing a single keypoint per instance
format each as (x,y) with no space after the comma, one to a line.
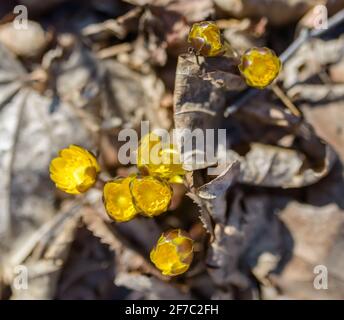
(218,186)
(211,197)
(214,192)
(274,166)
(204,214)
(199,97)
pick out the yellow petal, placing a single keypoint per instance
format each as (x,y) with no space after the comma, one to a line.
(173,253)
(75,170)
(158,160)
(151,195)
(118,201)
(259,66)
(205,37)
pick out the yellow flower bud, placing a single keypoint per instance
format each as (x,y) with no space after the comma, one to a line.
(173,253)
(260,66)
(159,161)
(205,38)
(118,200)
(151,195)
(75,170)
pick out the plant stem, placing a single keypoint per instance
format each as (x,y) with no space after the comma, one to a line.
(286,101)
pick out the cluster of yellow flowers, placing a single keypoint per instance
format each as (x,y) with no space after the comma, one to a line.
(124,198)
(75,171)
(259,66)
(149,193)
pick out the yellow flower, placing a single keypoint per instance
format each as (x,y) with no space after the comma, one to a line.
(75,170)
(173,253)
(159,161)
(118,200)
(151,195)
(259,66)
(205,38)
(148,150)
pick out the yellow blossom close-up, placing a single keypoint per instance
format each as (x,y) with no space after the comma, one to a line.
(205,38)
(260,66)
(75,170)
(173,252)
(152,196)
(158,160)
(118,200)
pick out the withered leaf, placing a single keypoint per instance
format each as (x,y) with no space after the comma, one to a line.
(43,254)
(214,192)
(280,167)
(199,100)
(318,241)
(33,137)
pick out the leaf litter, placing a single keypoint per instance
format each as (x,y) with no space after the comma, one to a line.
(260,227)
